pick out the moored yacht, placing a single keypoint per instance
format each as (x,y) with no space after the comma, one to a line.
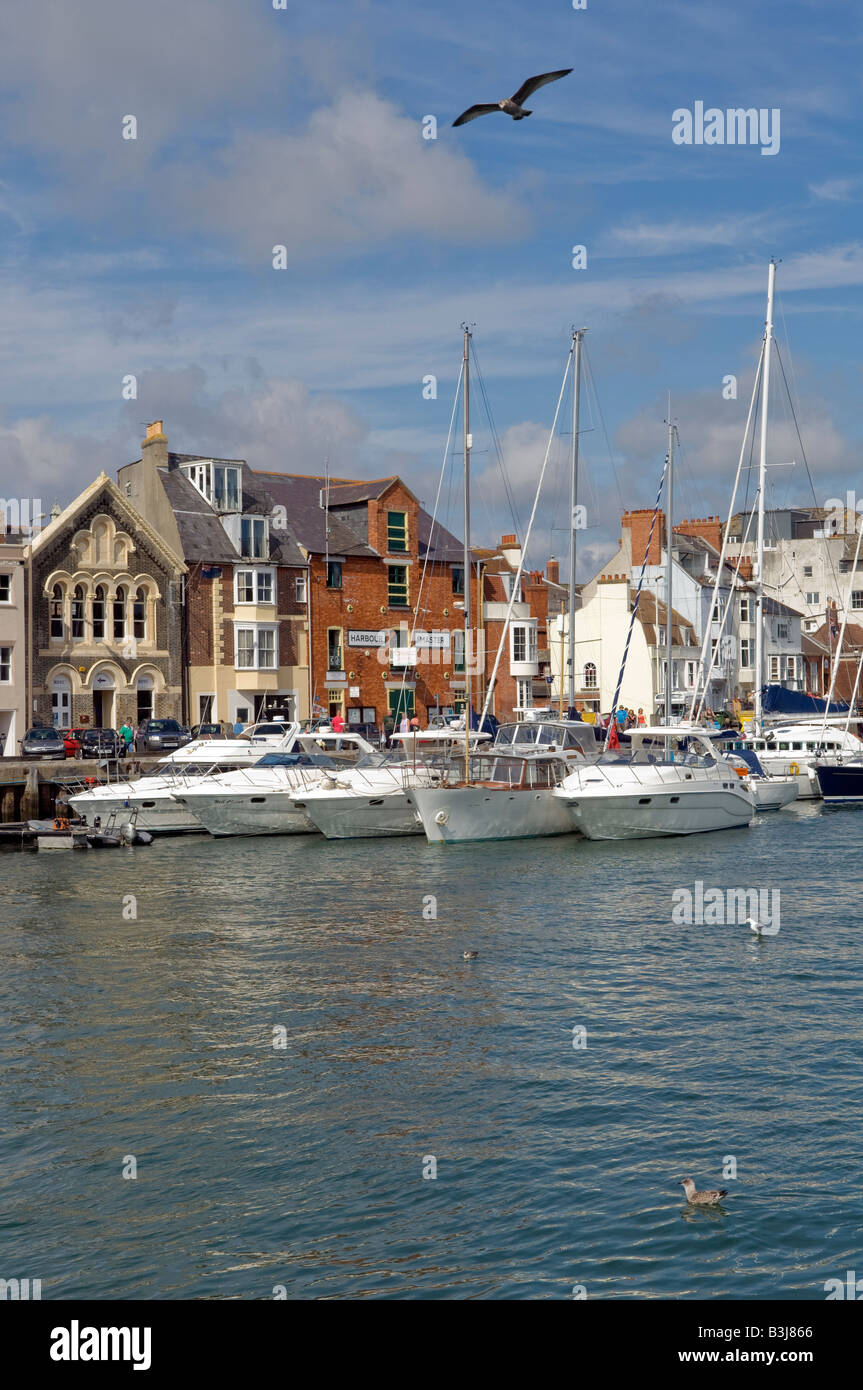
(505,796)
(369,801)
(670,783)
(257,800)
(151,794)
(792,750)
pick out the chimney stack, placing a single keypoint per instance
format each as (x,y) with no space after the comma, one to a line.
(154,449)
(638,523)
(552,571)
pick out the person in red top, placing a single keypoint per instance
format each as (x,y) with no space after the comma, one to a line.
(338,724)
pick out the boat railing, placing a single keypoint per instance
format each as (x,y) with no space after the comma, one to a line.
(668,772)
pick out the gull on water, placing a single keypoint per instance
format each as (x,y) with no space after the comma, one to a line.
(514,105)
(469,955)
(702,1199)
(762,928)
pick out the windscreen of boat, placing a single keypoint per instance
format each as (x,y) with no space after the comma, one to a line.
(295,760)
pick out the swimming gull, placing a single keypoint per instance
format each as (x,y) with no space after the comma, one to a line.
(702,1199)
(762,928)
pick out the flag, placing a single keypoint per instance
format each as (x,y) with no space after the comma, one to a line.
(613,741)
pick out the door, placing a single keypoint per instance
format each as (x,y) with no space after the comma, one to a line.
(98,701)
(61,708)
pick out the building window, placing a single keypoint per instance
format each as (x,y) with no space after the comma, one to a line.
(718,610)
(745,611)
(139,615)
(5,665)
(5,588)
(397,531)
(857,598)
(807,571)
(589,676)
(254,586)
(99,613)
(256,648)
(458,649)
(458,579)
(523,642)
(205,709)
(245,648)
(774,668)
(334,649)
(747,651)
(266,649)
(334,574)
(300,588)
(782,632)
(397,586)
(78,613)
(226,488)
(253,537)
(400,703)
(524,692)
(812,598)
(119,614)
(690,674)
(56,611)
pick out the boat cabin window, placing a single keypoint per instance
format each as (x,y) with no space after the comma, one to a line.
(525,733)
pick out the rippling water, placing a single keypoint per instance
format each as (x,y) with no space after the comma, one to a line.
(302,1166)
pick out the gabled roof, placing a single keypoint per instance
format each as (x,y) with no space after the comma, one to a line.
(202,534)
(341,493)
(300,495)
(136,522)
(652,616)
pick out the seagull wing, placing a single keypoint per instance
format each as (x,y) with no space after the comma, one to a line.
(532,84)
(472,112)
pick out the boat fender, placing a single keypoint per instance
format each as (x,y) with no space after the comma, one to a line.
(741,771)
(794,769)
(441,818)
(327,784)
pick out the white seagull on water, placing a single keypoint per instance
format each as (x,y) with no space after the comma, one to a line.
(762,928)
(514,105)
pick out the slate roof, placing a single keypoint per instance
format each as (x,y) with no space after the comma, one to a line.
(651,615)
(202,534)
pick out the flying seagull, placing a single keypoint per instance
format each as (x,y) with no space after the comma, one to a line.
(702,1199)
(762,928)
(514,105)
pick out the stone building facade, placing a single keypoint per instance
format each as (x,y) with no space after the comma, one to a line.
(13,629)
(107,595)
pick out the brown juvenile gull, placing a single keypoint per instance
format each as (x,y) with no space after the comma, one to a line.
(702,1199)
(514,105)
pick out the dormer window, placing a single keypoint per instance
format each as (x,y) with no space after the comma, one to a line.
(219,483)
(254,538)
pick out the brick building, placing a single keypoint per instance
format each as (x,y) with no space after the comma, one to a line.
(106,615)
(244,615)
(386,597)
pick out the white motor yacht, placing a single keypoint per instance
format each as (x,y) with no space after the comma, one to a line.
(151,794)
(505,796)
(370,800)
(670,782)
(791,750)
(258,800)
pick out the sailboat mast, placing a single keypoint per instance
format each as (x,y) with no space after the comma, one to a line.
(669,533)
(577,336)
(762,488)
(468,443)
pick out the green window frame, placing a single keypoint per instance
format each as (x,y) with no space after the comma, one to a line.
(400,702)
(397,531)
(397,586)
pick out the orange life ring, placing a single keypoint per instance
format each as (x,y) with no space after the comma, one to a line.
(794,770)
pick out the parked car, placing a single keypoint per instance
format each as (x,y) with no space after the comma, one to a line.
(43,742)
(72,739)
(161,736)
(101,743)
(208,731)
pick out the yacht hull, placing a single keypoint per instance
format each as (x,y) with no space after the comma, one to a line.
(453,815)
(841,783)
(159,813)
(260,813)
(361,817)
(775,793)
(648,813)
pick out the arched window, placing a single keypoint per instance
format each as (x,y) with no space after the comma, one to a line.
(590,675)
(139,615)
(78,613)
(99,613)
(119,614)
(56,611)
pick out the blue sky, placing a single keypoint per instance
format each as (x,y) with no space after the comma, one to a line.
(259,127)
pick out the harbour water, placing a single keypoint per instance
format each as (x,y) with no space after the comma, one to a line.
(301,1167)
